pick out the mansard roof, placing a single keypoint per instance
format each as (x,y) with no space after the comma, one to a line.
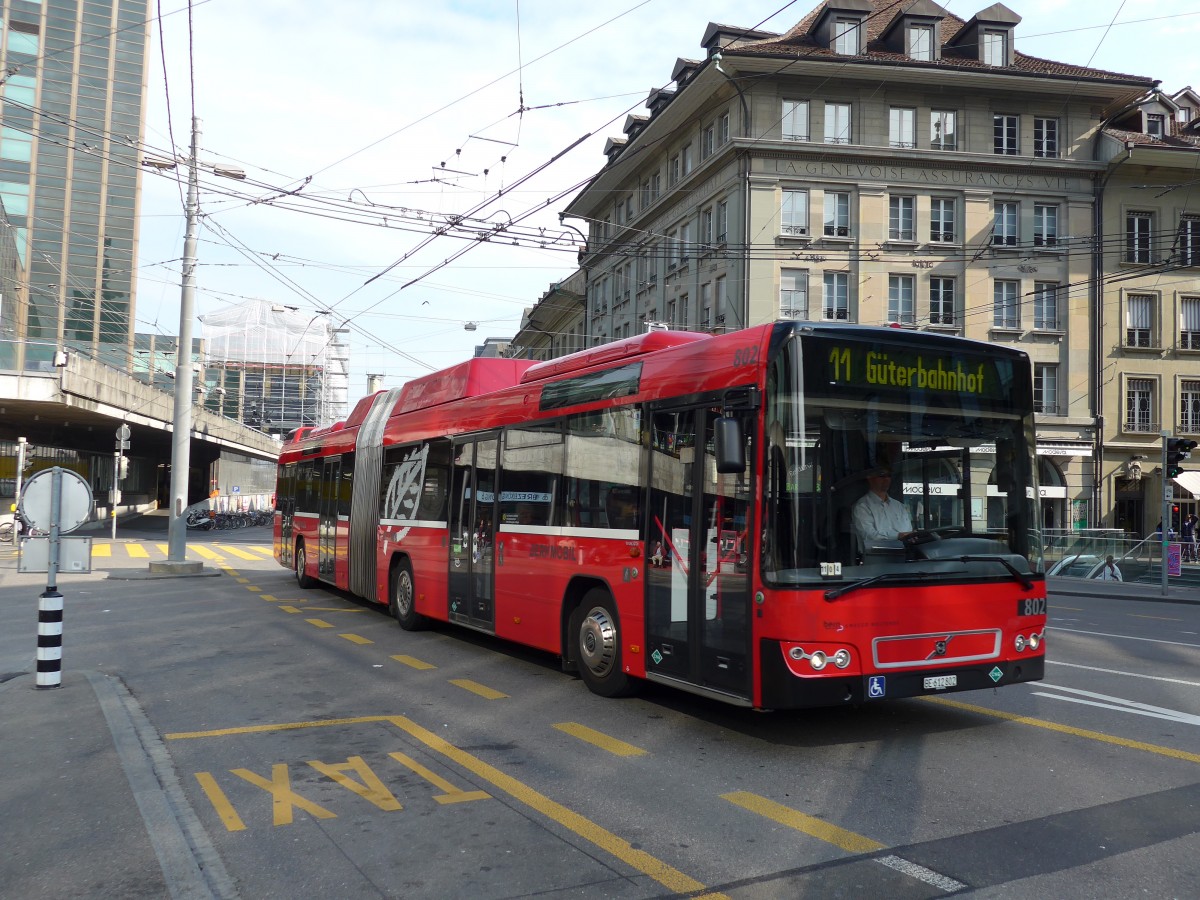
(799,42)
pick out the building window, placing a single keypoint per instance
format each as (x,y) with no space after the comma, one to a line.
(1045,388)
(706,306)
(1005,130)
(902,125)
(629,208)
(1189,323)
(920,42)
(1156,125)
(722,299)
(793,294)
(1045,305)
(845,36)
(1139,403)
(1139,230)
(689,162)
(1183,115)
(1006,310)
(995,48)
(1045,225)
(901,306)
(941,301)
(1004,228)
(672,250)
(837,214)
(837,123)
(722,221)
(673,171)
(1045,138)
(686,246)
(706,226)
(1189,407)
(942,130)
(795,120)
(941,220)
(1189,241)
(707,142)
(794,214)
(835,303)
(723,129)
(1139,320)
(900,219)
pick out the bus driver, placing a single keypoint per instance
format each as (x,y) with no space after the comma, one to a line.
(878,516)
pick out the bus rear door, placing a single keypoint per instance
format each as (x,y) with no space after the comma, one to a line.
(331,479)
(473,533)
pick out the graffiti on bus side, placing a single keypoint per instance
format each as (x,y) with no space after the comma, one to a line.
(403,496)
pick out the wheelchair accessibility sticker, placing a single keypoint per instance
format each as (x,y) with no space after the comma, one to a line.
(876,686)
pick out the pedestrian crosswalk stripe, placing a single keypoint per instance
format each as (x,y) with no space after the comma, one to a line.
(205,552)
(137,551)
(240,554)
(101,550)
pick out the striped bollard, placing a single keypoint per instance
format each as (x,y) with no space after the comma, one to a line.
(49,650)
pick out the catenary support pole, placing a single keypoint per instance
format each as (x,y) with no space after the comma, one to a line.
(50,603)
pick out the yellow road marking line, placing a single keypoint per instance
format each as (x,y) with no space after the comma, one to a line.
(241,580)
(137,551)
(476,688)
(452,794)
(206,552)
(270,597)
(251,587)
(666,875)
(1068,608)
(216,796)
(320,623)
(354,638)
(413,662)
(1068,729)
(784,815)
(101,550)
(1159,618)
(288,609)
(164,549)
(240,554)
(340,609)
(603,741)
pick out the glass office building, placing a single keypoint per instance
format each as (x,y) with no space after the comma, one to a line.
(70,132)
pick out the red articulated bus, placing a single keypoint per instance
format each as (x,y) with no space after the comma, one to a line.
(693,510)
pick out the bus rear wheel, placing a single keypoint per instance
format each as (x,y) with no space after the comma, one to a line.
(596,637)
(402,599)
(302,577)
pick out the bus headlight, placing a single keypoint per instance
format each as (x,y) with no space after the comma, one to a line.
(1020,643)
(1035,641)
(818,660)
(841,659)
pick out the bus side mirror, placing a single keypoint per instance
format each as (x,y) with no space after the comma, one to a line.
(728,446)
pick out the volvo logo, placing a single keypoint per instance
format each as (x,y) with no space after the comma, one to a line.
(939,648)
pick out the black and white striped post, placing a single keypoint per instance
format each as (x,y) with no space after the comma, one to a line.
(50,635)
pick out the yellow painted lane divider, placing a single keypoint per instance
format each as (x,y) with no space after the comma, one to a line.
(476,688)
(354,638)
(785,815)
(320,623)
(413,662)
(598,739)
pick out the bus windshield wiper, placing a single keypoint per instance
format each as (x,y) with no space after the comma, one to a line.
(1025,580)
(835,593)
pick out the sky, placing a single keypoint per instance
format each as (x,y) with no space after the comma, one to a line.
(362,126)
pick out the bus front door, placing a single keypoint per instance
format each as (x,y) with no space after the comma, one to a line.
(331,479)
(698,573)
(285,506)
(473,534)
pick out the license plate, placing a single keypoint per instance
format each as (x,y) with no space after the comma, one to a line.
(940,682)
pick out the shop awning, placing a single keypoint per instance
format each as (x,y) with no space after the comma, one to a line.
(1189,481)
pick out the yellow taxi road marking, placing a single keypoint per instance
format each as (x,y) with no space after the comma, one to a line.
(228,815)
(320,623)
(666,875)
(283,798)
(603,741)
(370,788)
(784,815)
(450,794)
(239,553)
(104,550)
(288,609)
(137,551)
(354,638)
(413,662)
(206,552)
(476,688)
(1068,729)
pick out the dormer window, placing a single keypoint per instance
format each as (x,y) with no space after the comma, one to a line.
(846,36)
(994,47)
(1155,125)
(920,42)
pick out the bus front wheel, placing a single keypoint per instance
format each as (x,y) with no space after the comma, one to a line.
(403,599)
(302,577)
(596,634)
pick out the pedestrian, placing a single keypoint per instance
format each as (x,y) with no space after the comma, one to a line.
(1109,571)
(1188,535)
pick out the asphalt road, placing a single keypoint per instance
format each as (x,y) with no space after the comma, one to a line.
(325,752)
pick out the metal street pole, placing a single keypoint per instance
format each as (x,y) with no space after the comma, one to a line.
(1168,493)
(181,437)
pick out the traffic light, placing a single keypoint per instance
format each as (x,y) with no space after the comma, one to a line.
(1178,449)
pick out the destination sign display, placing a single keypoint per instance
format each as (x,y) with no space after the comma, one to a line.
(881,368)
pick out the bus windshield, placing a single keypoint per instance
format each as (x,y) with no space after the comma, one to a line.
(893,455)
